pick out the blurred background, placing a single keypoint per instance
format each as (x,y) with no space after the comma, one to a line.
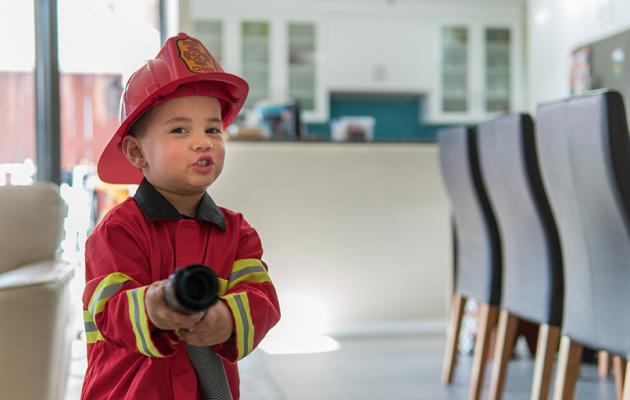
(333,159)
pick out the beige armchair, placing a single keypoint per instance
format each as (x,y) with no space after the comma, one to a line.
(35,312)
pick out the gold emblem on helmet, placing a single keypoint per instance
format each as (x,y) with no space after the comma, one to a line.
(195,56)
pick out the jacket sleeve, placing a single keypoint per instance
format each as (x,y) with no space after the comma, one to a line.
(251,298)
(117,276)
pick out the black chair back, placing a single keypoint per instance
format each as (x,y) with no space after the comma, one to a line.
(478,256)
(532,284)
(585,161)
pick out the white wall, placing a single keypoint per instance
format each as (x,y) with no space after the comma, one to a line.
(359,232)
(555,28)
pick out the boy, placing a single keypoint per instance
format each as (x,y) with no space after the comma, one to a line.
(170,140)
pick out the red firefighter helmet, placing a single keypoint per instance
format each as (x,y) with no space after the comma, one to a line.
(182,63)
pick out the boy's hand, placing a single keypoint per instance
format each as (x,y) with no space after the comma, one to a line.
(215,328)
(163,317)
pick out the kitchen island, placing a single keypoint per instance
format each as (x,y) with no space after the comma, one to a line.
(357,232)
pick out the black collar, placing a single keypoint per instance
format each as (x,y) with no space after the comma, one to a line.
(155,207)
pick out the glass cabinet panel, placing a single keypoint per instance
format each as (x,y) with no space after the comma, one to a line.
(454,69)
(255,58)
(302,64)
(211,35)
(497,67)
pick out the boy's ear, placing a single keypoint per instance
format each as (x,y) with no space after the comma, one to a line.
(132,149)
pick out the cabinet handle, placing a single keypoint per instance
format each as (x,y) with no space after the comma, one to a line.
(379,72)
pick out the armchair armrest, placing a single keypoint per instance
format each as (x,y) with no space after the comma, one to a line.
(37,273)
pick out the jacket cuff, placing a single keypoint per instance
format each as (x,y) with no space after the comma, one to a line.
(150,342)
(241,343)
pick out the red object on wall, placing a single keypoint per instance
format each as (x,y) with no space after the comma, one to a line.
(17,116)
(89,116)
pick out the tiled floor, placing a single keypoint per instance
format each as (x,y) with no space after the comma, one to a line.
(406,367)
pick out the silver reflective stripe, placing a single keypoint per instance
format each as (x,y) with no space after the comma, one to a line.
(136,309)
(245,271)
(90,327)
(241,310)
(105,293)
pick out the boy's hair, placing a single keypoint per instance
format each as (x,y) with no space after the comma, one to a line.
(138,129)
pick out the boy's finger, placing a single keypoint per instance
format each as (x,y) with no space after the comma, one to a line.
(200,328)
(155,294)
(181,320)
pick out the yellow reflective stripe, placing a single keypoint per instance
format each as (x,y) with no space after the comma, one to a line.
(93,337)
(139,323)
(92,334)
(223,286)
(87,317)
(248,270)
(106,288)
(239,305)
(245,263)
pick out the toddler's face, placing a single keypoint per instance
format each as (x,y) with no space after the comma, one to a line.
(183,144)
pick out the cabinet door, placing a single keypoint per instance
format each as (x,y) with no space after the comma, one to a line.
(498,70)
(378,54)
(210,32)
(455,45)
(255,59)
(451,99)
(302,64)
(479,72)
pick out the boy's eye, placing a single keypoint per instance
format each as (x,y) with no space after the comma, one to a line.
(177,130)
(213,130)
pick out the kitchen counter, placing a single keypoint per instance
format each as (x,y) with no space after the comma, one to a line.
(359,229)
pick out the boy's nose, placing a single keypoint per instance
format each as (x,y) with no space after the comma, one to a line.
(201,144)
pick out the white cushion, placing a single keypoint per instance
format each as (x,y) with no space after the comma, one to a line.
(30,224)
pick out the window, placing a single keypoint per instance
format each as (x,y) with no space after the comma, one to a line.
(17,93)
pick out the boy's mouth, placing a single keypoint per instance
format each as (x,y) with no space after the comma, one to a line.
(203,162)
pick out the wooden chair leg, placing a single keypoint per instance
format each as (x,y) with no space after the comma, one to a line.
(548,339)
(626,384)
(506,335)
(569,359)
(603,364)
(450,356)
(619,370)
(487,320)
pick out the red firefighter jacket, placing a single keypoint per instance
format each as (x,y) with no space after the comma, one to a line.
(143,240)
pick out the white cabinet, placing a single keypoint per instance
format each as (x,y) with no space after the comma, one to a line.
(255,55)
(210,32)
(279,58)
(303,74)
(378,54)
(302,63)
(478,70)
(465,60)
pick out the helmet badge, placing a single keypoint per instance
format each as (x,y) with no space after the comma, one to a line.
(195,56)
